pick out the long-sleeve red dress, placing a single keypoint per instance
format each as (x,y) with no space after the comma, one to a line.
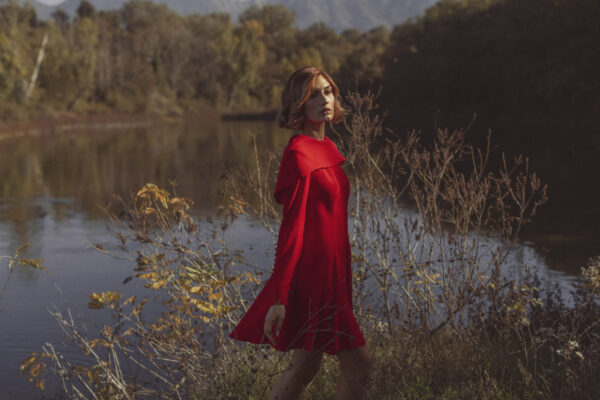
(312,273)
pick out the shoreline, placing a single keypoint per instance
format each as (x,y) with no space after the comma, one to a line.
(61,123)
(58,125)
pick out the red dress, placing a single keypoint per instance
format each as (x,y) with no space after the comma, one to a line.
(311,274)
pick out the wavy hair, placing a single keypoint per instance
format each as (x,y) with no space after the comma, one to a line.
(297,91)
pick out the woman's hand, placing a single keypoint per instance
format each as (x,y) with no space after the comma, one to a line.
(275,316)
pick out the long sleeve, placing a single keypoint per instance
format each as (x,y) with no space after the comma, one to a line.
(290,238)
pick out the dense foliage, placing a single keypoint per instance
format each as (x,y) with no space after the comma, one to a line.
(144,57)
(511,54)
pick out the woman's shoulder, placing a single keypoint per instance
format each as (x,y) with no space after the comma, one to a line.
(304,155)
(300,145)
(300,140)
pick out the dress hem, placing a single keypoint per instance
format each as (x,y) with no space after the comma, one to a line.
(299,346)
(324,351)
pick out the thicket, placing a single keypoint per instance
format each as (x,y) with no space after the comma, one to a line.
(506,54)
(447,311)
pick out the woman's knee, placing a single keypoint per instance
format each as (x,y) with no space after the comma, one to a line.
(356,362)
(305,365)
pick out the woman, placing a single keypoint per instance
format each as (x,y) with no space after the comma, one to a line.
(308,298)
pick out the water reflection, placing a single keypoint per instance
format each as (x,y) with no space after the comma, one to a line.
(90,167)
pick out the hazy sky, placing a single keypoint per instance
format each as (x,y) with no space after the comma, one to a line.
(51,2)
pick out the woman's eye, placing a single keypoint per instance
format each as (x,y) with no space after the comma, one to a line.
(316,92)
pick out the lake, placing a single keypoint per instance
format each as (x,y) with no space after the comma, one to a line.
(52,193)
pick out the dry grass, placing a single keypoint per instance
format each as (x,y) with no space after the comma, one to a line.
(442,317)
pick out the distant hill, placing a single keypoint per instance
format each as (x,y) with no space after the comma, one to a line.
(337,14)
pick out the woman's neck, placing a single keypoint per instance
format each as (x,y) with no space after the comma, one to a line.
(314,129)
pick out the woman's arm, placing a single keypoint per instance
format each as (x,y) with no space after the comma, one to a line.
(289,241)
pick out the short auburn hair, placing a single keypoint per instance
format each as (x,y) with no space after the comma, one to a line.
(297,91)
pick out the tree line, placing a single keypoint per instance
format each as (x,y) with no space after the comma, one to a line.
(536,55)
(144,57)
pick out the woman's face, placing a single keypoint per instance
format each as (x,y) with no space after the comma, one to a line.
(319,106)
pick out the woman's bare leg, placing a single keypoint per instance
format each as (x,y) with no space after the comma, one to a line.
(355,368)
(302,369)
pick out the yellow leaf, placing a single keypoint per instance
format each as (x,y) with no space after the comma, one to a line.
(20,249)
(27,362)
(99,300)
(149,210)
(156,285)
(203,306)
(196,289)
(95,304)
(215,296)
(148,275)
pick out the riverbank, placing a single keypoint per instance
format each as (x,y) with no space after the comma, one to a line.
(64,122)
(61,122)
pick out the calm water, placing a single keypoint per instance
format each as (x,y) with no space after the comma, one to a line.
(52,190)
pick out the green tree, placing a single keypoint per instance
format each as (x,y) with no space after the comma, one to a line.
(18,45)
(364,65)
(86,10)
(148,46)
(210,33)
(242,56)
(330,45)
(61,18)
(501,54)
(11,74)
(67,74)
(276,19)
(279,37)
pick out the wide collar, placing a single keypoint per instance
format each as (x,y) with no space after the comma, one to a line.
(302,155)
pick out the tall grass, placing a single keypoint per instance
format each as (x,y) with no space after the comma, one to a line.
(448,313)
